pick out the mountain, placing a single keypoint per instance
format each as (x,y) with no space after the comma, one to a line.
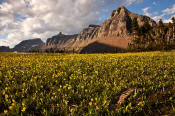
(114,33)
(59,41)
(119,24)
(76,41)
(29,45)
(5,49)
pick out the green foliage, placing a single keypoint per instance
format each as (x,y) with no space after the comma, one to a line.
(161,25)
(135,26)
(72,84)
(148,38)
(145,29)
(142,37)
(173,20)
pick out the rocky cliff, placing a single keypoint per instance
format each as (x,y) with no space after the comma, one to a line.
(59,41)
(119,24)
(76,41)
(114,32)
(29,45)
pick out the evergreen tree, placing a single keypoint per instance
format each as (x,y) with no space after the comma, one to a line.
(159,32)
(173,26)
(135,26)
(162,32)
(145,33)
(135,29)
(143,36)
(170,34)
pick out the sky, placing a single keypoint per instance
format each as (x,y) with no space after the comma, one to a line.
(29,19)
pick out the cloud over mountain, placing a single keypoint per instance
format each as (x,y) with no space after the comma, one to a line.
(166,12)
(27,19)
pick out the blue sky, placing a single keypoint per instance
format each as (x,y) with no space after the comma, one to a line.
(28,19)
(155,7)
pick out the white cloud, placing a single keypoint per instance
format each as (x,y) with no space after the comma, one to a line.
(169,20)
(166,12)
(45,18)
(169,10)
(129,2)
(145,11)
(157,18)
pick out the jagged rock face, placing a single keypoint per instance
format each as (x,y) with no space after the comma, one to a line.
(5,49)
(118,27)
(75,41)
(29,45)
(119,24)
(59,40)
(88,33)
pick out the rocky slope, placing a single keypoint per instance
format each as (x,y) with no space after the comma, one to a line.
(76,41)
(59,41)
(119,24)
(114,32)
(29,45)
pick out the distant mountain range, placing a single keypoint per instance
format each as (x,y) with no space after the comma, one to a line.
(25,46)
(113,35)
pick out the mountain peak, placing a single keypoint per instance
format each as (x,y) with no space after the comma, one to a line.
(120,10)
(60,33)
(122,7)
(29,45)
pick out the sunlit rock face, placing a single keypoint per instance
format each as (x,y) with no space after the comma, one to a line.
(115,31)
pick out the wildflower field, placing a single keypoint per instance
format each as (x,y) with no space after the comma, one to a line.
(86,84)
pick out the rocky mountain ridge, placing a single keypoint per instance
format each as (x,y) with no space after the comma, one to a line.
(115,33)
(29,45)
(25,46)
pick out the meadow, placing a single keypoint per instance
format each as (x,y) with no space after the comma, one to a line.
(86,84)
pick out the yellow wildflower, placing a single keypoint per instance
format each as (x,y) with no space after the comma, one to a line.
(23,109)
(69,87)
(82,87)
(90,103)
(5,111)
(10,107)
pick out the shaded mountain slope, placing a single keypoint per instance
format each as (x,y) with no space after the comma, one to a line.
(29,45)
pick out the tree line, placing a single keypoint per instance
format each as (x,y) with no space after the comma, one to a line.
(54,50)
(149,38)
